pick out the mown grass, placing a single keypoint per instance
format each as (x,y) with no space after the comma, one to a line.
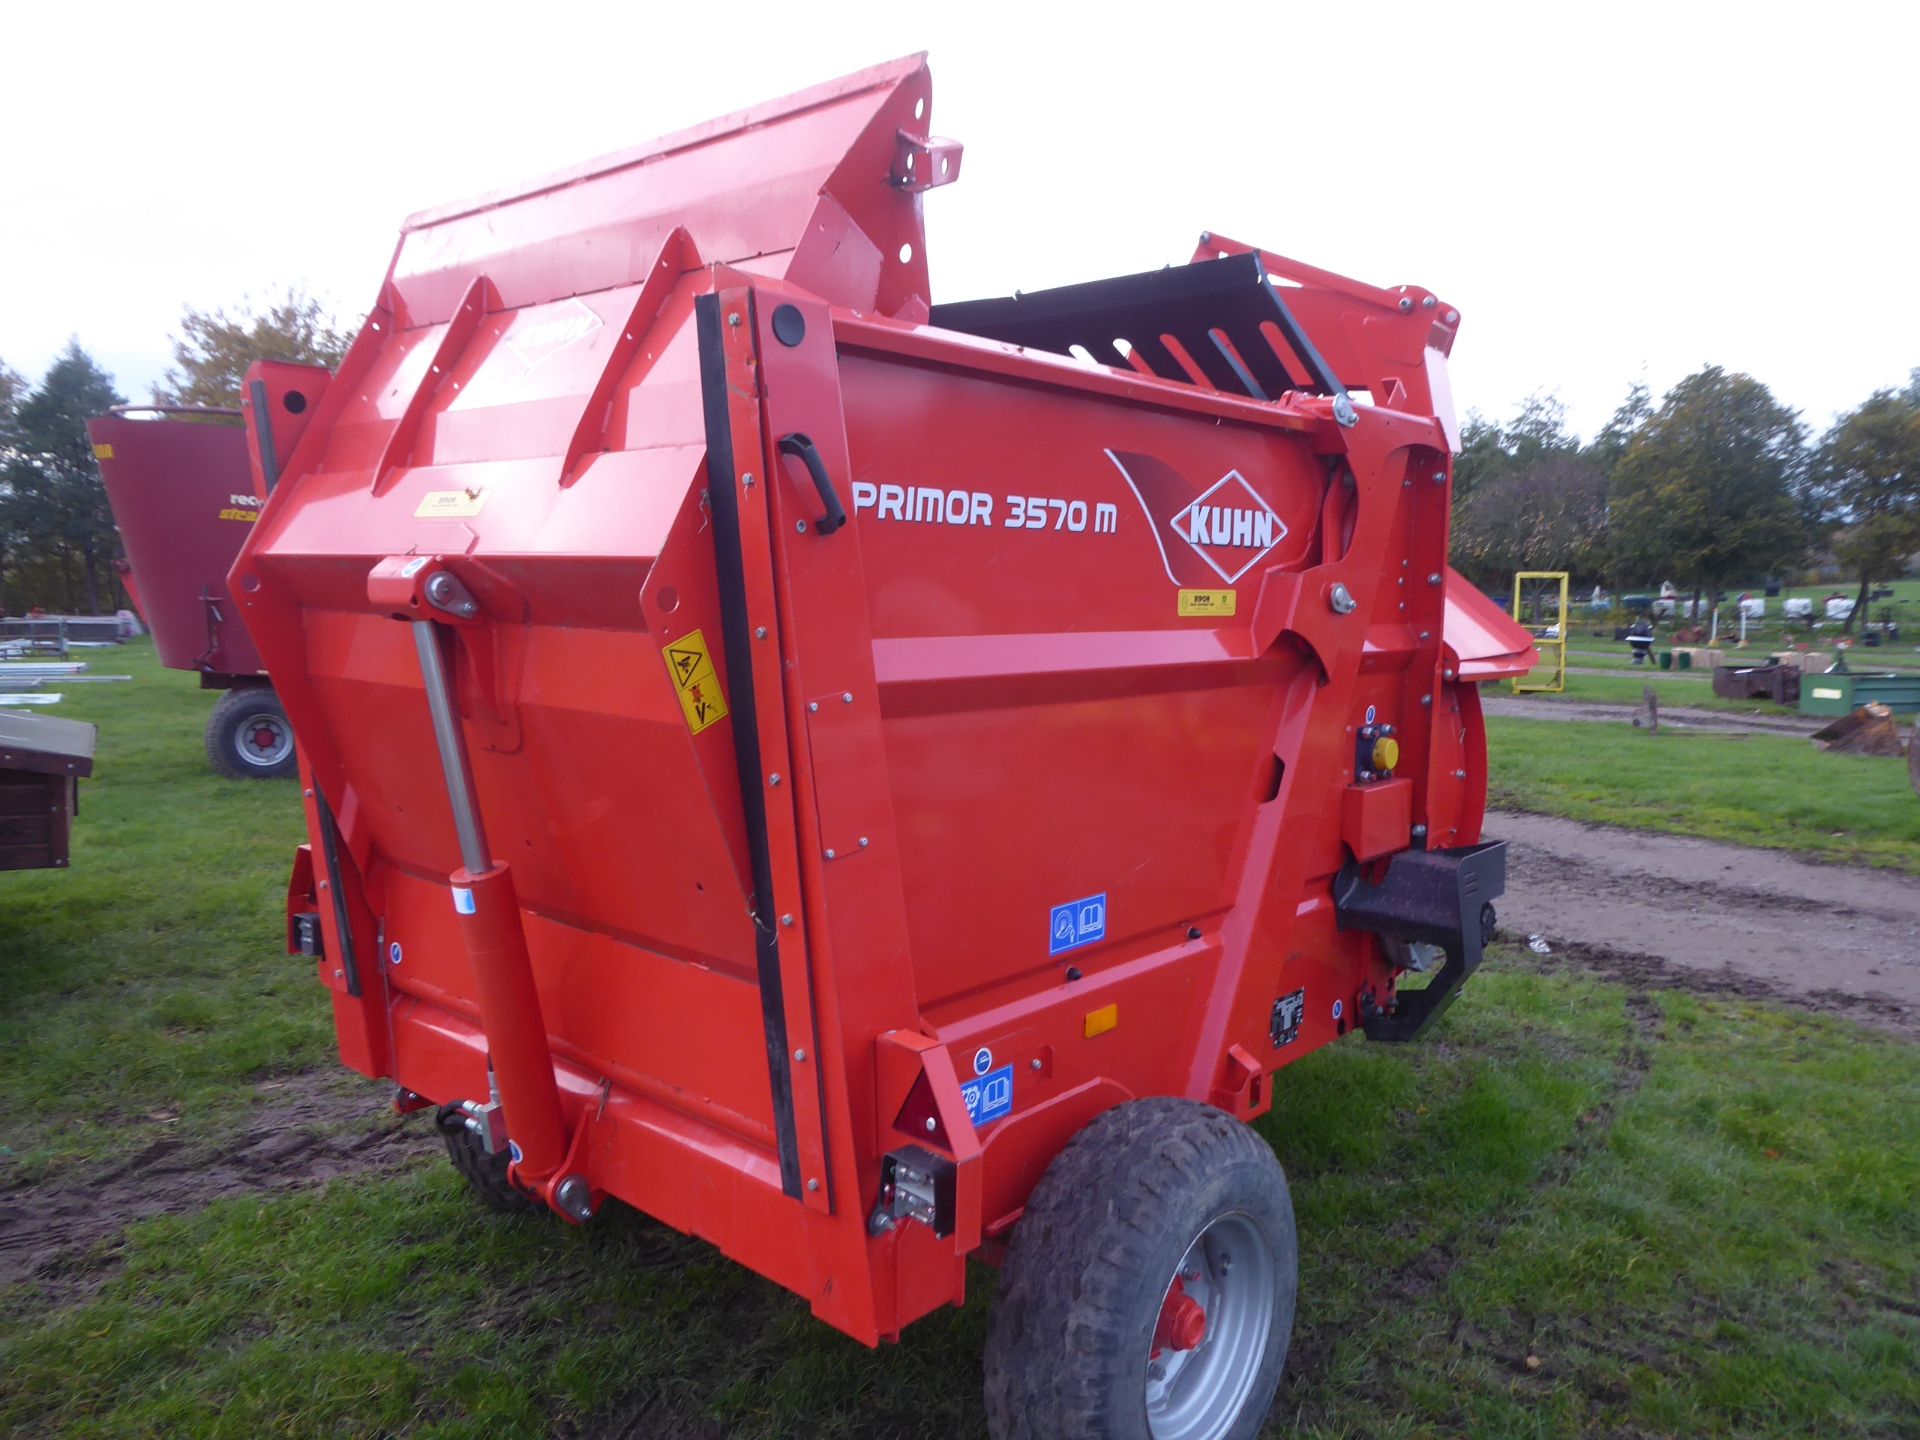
(1777,791)
(145,986)
(1624,685)
(1603,655)
(1573,1210)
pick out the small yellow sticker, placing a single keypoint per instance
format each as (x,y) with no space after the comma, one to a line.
(450,504)
(103,452)
(234,512)
(1207,602)
(694,681)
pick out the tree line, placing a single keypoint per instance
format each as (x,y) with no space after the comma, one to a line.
(58,543)
(1718,486)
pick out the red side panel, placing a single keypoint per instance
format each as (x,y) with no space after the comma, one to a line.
(1485,642)
(182,495)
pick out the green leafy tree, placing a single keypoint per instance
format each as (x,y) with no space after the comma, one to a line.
(214,348)
(1706,491)
(1617,434)
(54,508)
(1525,497)
(1549,514)
(1868,483)
(1488,449)
(13,389)
(1482,456)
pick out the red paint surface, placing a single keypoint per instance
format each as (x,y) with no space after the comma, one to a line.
(178,488)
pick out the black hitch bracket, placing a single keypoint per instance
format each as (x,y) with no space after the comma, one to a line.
(1433,897)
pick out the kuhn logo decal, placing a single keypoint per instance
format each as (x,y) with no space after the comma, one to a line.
(544,330)
(1228,528)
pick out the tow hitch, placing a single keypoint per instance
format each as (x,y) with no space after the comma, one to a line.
(1435,897)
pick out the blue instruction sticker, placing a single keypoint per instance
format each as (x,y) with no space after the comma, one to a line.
(989,1097)
(1077,924)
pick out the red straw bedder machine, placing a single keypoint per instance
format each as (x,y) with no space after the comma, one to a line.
(873,783)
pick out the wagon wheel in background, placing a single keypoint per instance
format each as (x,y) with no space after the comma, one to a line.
(249,736)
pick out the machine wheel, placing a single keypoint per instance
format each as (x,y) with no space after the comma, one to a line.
(1148,1290)
(486,1173)
(249,736)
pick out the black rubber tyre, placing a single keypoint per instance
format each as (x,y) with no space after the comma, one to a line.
(249,736)
(1118,1213)
(486,1173)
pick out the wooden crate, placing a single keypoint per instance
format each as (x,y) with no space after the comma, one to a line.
(41,762)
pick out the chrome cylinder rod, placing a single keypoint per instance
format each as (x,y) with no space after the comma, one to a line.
(474,854)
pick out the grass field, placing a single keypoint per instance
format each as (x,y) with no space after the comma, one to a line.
(1591,654)
(1579,1208)
(1686,689)
(1624,684)
(145,979)
(1777,791)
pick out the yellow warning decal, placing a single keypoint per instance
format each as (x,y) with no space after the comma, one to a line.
(1207,602)
(103,452)
(450,504)
(695,681)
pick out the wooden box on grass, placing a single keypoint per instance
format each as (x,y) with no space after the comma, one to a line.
(41,762)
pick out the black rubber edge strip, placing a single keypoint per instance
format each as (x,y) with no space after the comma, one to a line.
(737,644)
(330,853)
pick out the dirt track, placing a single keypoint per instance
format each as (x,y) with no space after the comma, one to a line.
(326,1128)
(1717,917)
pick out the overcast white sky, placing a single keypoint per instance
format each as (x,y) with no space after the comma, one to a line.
(1607,192)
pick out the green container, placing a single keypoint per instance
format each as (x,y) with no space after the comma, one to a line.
(1666,659)
(1843,694)
(1685,657)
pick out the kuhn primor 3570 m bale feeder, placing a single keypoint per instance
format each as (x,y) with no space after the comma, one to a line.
(183,499)
(857,782)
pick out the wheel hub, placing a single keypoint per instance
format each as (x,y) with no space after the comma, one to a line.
(1210,1333)
(1183,1321)
(263,740)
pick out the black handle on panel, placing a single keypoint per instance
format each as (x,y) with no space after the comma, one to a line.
(800,445)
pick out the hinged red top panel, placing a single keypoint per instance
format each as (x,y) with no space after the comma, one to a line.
(802,187)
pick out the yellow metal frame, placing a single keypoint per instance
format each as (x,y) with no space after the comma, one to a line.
(1553,653)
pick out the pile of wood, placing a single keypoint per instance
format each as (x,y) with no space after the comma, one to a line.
(1703,657)
(1807,662)
(1870,730)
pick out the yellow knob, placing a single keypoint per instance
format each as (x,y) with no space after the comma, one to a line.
(1386,753)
